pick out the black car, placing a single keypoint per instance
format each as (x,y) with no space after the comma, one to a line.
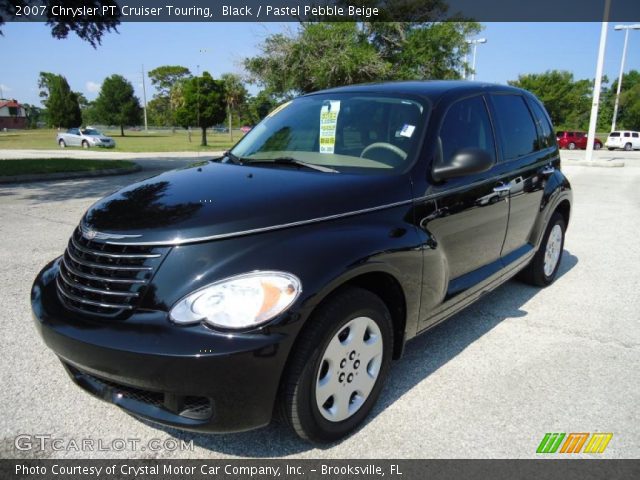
(285,276)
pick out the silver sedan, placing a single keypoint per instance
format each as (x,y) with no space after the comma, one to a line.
(85,138)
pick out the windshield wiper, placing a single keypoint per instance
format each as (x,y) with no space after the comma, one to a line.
(293,161)
(234,158)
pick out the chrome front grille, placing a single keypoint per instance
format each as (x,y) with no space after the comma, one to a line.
(104,279)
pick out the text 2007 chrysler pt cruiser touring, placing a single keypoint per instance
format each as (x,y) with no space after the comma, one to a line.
(286,275)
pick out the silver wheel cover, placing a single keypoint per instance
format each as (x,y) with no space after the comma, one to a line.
(552,251)
(349,369)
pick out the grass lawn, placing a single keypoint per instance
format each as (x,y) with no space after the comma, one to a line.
(140,141)
(55,165)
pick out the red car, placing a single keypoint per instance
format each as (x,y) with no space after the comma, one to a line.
(245,129)
(573,140)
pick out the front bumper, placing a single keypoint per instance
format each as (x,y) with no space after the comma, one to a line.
(186,377)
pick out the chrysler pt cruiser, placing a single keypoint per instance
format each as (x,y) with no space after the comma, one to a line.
(284,277)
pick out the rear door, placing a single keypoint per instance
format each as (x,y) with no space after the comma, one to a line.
(527,149)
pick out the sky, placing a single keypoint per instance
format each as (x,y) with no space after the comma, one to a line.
(511,49)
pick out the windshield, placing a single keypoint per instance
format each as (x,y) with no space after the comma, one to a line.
(345,132)
(90,131)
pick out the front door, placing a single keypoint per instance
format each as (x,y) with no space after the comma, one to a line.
(465,218)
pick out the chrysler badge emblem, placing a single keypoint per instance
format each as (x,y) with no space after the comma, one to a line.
(89,234)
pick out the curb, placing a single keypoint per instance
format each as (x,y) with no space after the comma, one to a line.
(41,177)
(593,163)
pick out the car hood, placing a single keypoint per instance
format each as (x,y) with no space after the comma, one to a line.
(223,200)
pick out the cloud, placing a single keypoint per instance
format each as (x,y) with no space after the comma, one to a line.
(92,87)
(5,88)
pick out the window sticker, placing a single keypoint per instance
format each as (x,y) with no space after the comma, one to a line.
(328,123)
(406,131)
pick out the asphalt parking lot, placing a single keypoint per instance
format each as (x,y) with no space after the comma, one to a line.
(489,383)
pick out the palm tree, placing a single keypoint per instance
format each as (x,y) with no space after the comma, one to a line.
(235,94)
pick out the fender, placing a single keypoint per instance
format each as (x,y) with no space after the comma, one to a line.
(343,249)
(557,190)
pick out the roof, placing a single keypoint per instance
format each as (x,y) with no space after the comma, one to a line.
(428,88)
(9,103)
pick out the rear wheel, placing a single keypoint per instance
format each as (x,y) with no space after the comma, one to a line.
(627,147)
(338,367)
(572,146)
(62,144)
(544,266)
(597,146)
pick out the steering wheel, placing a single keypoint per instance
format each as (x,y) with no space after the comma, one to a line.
(386,146)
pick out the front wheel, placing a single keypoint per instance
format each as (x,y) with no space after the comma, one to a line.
(572,146)
(85,144)
(544,266)
(627,147)
(338,367)
(597,146)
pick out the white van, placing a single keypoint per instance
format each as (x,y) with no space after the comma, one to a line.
(623,139)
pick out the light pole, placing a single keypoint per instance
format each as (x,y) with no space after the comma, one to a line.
(593,119)
(475,43)
(626,29)
(144,99)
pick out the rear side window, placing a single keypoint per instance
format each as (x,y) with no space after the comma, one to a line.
(626,134)
(614,134)
(516,129)
(543,124)
(465,125)
(634,135)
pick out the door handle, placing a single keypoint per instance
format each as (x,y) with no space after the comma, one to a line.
(547,170)
(502,188)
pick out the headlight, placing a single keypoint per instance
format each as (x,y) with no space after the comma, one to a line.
(239,302)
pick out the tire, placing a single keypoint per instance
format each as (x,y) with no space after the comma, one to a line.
(572,146)
(597,146)
(85,144)
(627,147)
(327,354)
(542,270)
(62,144)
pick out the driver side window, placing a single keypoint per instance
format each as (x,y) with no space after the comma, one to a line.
(466,125)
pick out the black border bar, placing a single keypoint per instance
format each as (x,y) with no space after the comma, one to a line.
(318,10)
(265,469)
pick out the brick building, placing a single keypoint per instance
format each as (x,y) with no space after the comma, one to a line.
(12,115)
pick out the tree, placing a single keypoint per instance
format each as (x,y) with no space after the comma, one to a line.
(164,79)
(90,28)
(61,103)
(629,108)
(257,107)
(117,104)
(202,103)
(420,52)
(33,114)
(567,100)
(323,55)
(234,94)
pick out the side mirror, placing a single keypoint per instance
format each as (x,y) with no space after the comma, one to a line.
(466,161)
